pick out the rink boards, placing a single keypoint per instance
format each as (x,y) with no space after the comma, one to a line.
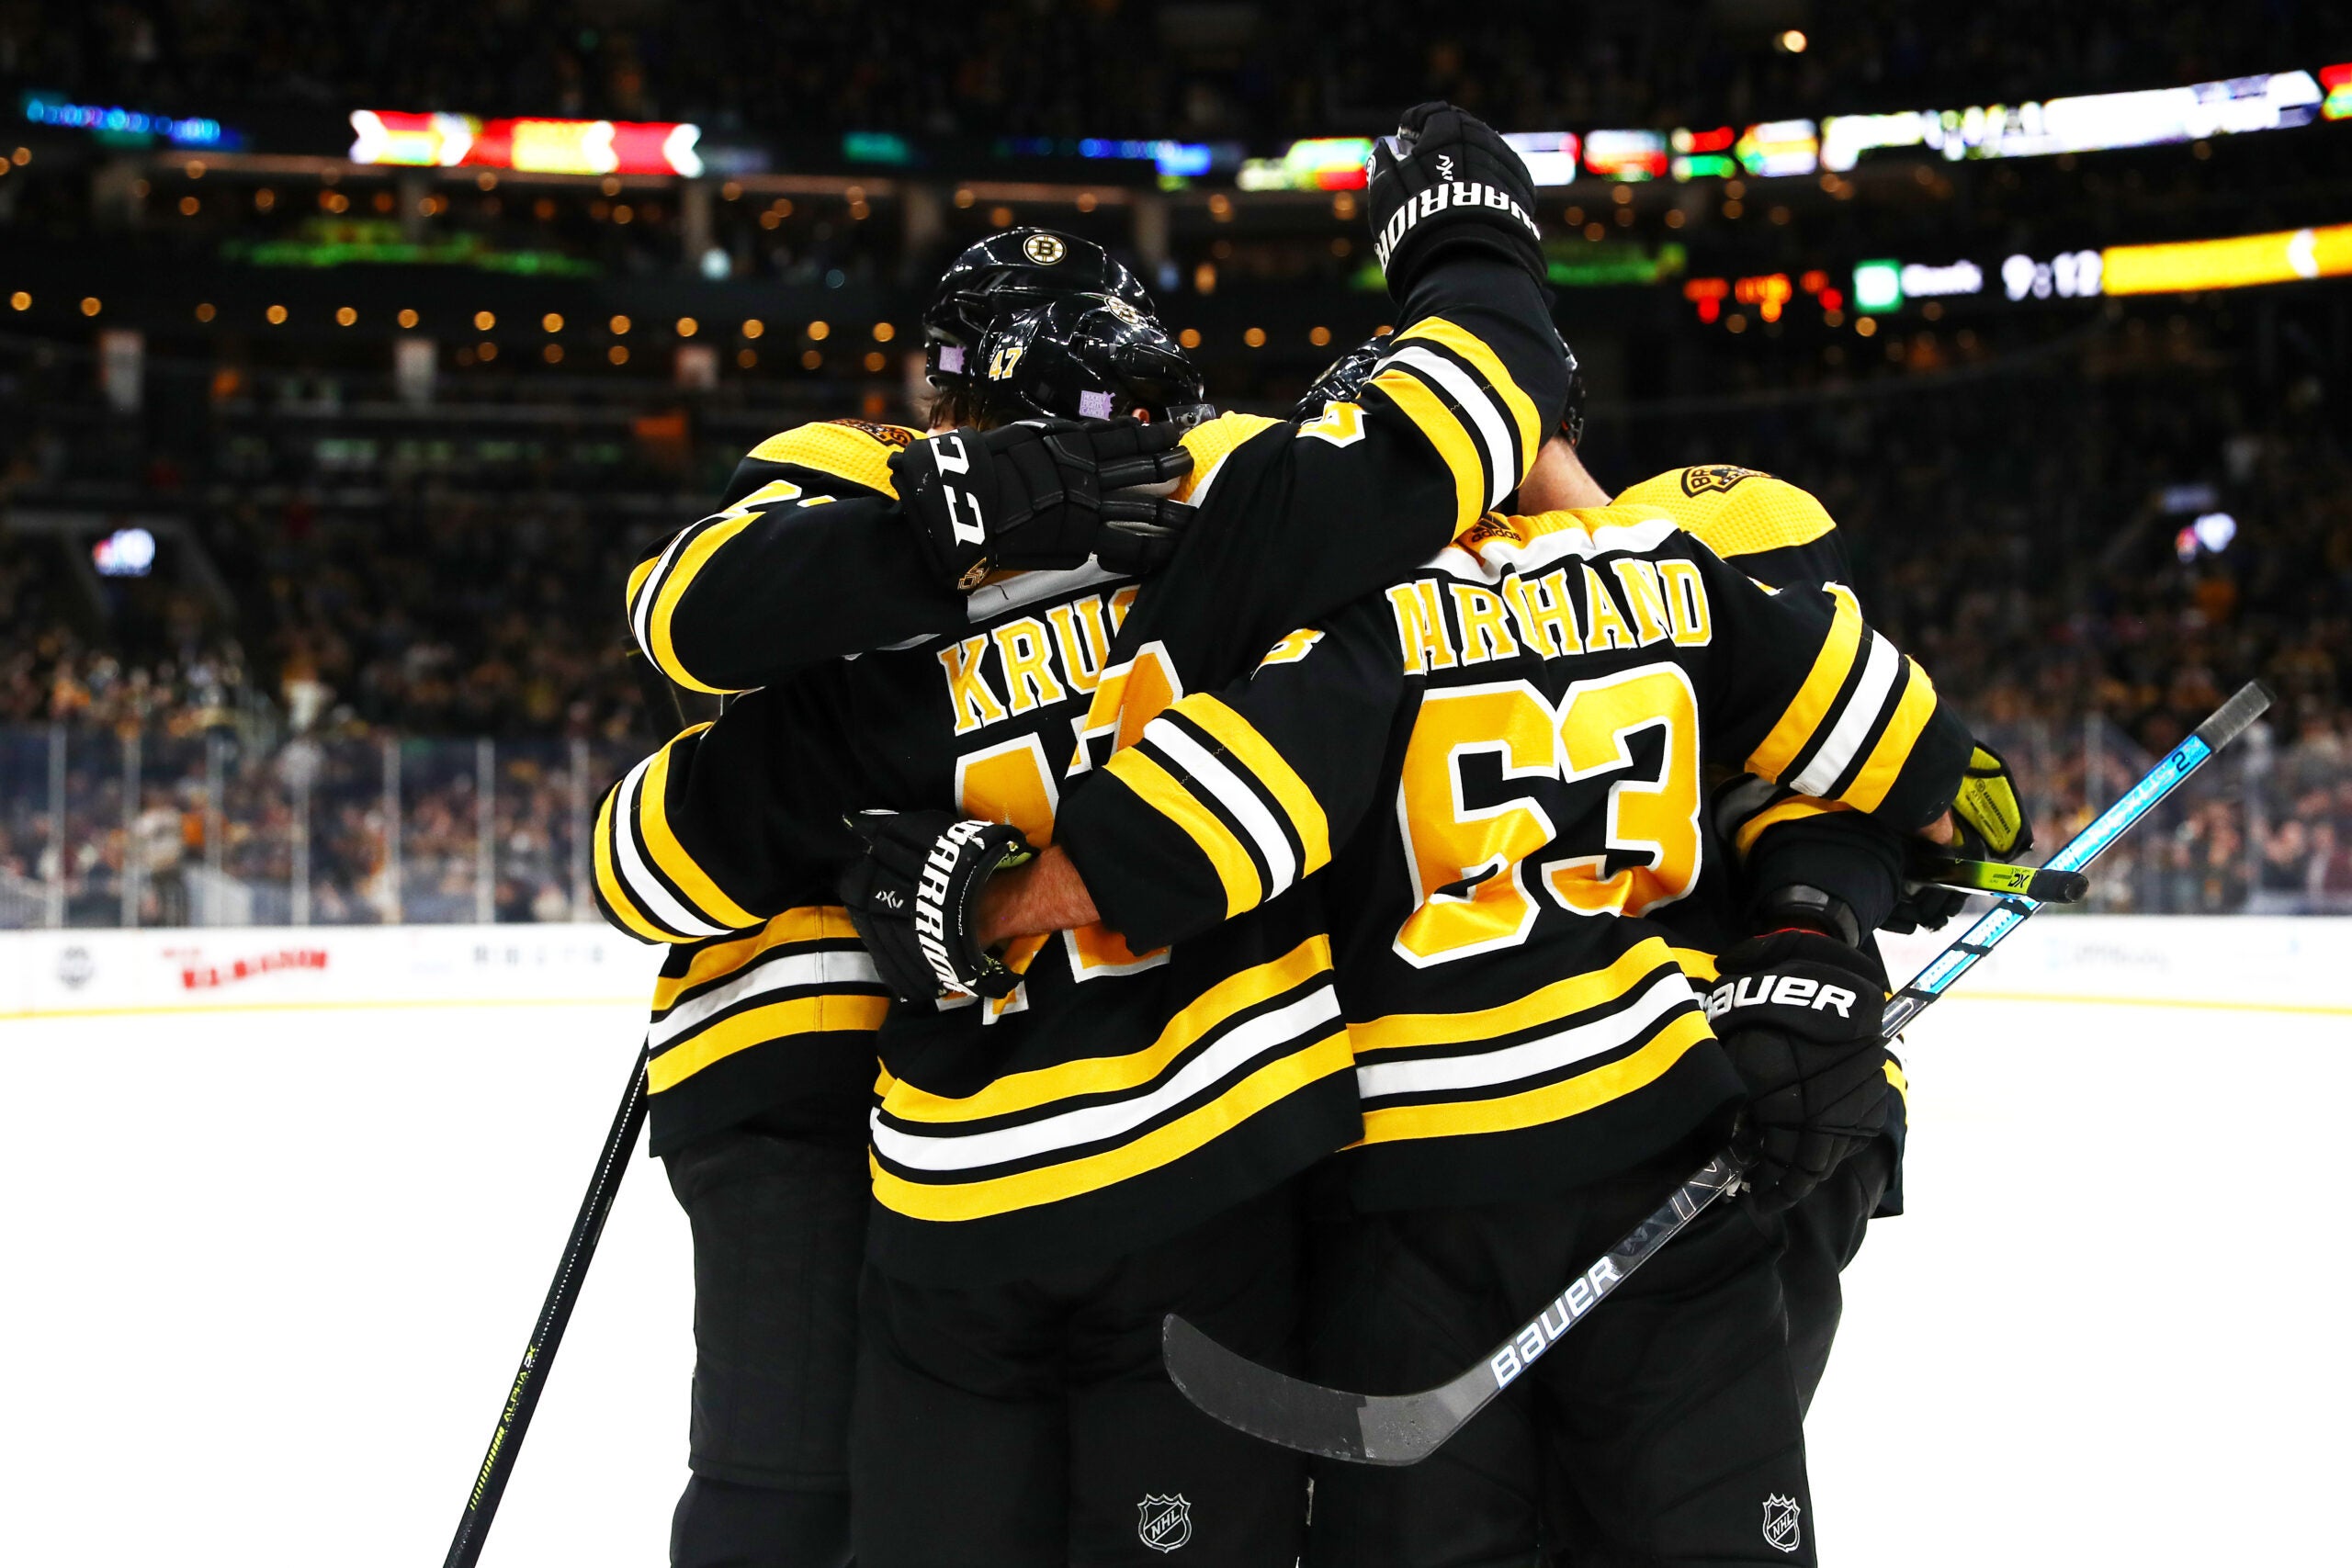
(280,1206)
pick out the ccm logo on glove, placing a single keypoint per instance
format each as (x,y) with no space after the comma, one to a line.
(1781,990)
(1438,198)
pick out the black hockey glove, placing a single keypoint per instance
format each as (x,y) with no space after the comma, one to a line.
(1991,824)
(1445,181)
(1037,496)
(1799,1014)
(914,898)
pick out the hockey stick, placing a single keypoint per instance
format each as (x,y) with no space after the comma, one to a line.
(1406,1428)
(2040,883)
(539,1356)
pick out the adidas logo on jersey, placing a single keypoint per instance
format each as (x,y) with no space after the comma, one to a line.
(1780,990)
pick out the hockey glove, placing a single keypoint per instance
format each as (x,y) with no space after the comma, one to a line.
(1444,182)
(1800,1014)
(914,897)
(1990,823)
(1038,496)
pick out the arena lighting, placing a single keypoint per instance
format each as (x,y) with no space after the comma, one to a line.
(111,122)
(1779,147)
(1550,155)
(2211,533)
(2285,256)
(1625,154)
(1921,281)
(2090,123)
(1878,286)
(2071,275)
(1323,163)
(1704,154)
(126,552)
(2337,80)
(527,146)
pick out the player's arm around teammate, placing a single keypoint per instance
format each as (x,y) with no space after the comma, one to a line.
(1517,1042)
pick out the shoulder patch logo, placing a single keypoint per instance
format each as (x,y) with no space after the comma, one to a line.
(1781,1532)
(889,435)
(1044,249)
(1164,1524)
(1717,476)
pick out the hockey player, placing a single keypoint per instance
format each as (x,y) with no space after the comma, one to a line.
(1506,753)
(1802,861)
(764,1036)
(1106,1140)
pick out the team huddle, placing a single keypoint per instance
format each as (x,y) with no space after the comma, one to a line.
(1325,877)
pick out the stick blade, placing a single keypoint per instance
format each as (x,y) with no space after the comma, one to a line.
(1269,1405)
(1308,1418)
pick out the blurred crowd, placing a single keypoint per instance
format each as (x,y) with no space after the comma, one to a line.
(1203,68)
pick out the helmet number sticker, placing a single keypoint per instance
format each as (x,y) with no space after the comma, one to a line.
(1000,364)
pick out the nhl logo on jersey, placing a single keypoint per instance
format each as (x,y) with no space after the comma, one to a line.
(1780,1531)
(1164,1524)
(1044,249)
(1716,476)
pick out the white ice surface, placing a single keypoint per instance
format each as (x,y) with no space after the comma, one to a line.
(263,1277)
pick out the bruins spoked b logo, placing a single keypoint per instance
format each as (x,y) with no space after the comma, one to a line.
(1781,1529)
(1163,1524)
(1044,249)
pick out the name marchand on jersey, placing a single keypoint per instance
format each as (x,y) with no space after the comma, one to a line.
(1508,595)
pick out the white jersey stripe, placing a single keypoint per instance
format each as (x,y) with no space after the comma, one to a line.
(641,615)
(1312,1015)
(1530,1058)
(1493,434)
(1237,798)
(642,884)
(820,968)
(1883,668)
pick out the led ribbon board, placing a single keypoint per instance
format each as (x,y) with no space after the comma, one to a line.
(526,146)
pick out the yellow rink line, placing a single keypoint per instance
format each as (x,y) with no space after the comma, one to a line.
(160,1010)
(2313,1009)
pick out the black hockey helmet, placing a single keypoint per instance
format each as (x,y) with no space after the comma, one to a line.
(1343,380)
(1084,356)
(1015,270)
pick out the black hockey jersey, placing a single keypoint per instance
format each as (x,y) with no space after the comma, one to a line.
(1116,1095)
(1508,746)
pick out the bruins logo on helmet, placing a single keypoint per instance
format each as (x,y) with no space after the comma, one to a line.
(1717,476)
(1045,249)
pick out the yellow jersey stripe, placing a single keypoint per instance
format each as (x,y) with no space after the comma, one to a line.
(757,1026)
(1272,771)
(1537,1107)
(1815,698)
(812,922)
(670,857)
(608,880)
(1454,445)
(1122,1075)
(1471,347)
(1917,706)
(1212,444)
(1895,1076)
(841,450)
(1271,1084)
(1794,809)
(1699,965)
(689,561)
(1158,789)
(1561,999)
